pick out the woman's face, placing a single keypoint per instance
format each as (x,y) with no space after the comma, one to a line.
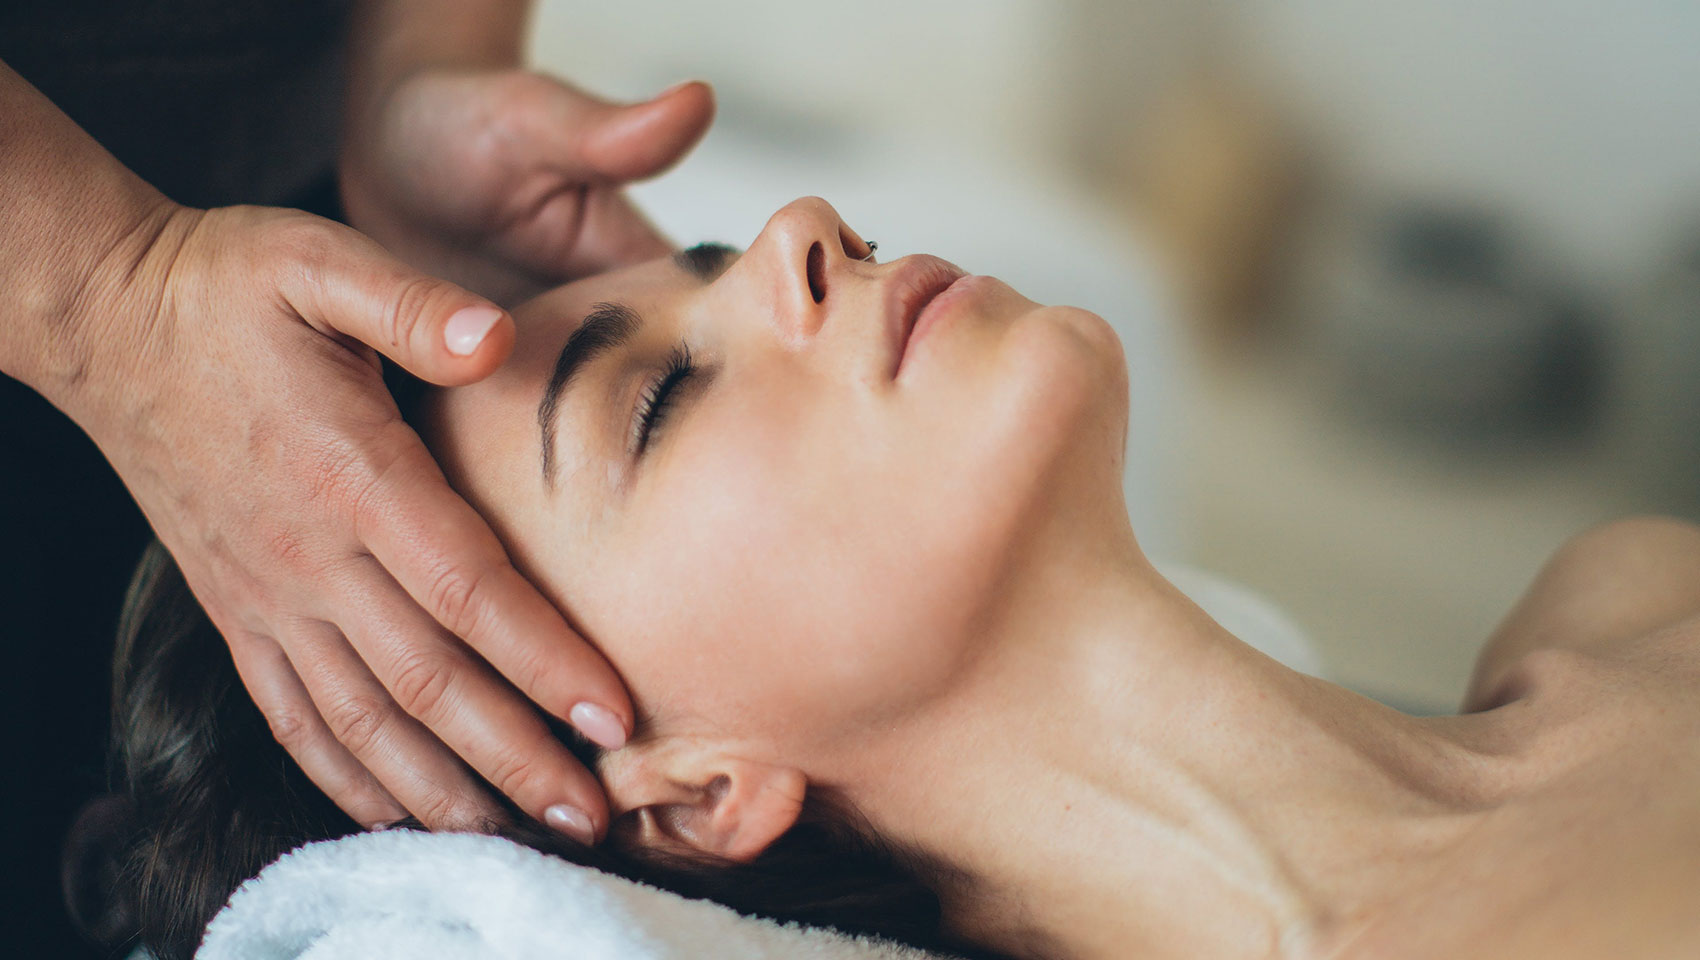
(780,502)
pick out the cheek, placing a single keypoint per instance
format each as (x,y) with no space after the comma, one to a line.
(791,579)
(704,585)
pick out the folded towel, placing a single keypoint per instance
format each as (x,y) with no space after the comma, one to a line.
(405,895)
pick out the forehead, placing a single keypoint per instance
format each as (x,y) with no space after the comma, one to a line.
(490,430)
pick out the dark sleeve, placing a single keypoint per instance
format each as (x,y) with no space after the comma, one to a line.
(212,101)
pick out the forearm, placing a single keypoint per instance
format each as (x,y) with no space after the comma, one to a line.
(74,216)
(393,39)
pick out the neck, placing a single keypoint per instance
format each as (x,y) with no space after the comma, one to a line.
(1119,776)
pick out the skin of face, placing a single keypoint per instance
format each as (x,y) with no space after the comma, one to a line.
(814,541)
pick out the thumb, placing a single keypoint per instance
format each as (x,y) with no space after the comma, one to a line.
(643,139)
(432,328)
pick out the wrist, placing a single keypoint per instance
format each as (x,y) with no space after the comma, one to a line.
(112,332)
(63,280)
(70,209)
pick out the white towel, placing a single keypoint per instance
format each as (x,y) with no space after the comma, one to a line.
(406,895)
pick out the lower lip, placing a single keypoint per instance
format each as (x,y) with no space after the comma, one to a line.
(934,311)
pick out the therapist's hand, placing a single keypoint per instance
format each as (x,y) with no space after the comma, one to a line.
(508,181)
(229,371)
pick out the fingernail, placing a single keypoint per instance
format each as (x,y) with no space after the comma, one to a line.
(599,724)
(571,821)
(466,329)
(675,88)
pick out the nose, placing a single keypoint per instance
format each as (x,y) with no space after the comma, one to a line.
(811,250)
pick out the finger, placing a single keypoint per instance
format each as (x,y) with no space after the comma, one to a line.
(614,234)
(438,681)
(295,722)
(414,766)
(445,557)
(597,141)
(347,284)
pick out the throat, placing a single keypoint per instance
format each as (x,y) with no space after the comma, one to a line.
(1143,784)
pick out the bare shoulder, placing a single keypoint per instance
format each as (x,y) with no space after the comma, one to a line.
(1607,588)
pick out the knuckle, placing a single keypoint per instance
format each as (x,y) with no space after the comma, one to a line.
(291,729)
(385,466)
(302,242)
(549,678)
(540,679)
(355,468)
(441,809)
(408,308)
(359,722)
(512,774)
(422,685)
(335,469)
(456,597)
(247,609)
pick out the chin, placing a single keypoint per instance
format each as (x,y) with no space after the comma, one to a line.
(1063,374)
(1056,433)
(1103,362)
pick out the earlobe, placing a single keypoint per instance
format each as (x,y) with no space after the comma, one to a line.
(694,800)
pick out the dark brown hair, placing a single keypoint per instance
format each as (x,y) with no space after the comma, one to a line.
(212,798)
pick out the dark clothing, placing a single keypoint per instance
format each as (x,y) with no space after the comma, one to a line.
(214,102)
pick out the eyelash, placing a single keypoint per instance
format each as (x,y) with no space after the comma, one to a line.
(658,398)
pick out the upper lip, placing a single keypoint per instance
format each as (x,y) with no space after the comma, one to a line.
(914,282)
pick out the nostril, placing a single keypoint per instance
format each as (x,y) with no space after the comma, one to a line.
(816,269)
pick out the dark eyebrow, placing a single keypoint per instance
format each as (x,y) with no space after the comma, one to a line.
(611,325)
(705,261)
(608,326)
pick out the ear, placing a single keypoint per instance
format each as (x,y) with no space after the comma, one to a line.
(693,797)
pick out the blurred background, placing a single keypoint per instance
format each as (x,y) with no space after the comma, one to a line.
(1410,292)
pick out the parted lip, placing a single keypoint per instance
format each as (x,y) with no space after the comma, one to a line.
(914,282)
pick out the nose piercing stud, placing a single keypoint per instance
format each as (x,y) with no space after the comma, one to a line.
(872,246)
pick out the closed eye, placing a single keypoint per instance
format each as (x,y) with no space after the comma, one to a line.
(658,397)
